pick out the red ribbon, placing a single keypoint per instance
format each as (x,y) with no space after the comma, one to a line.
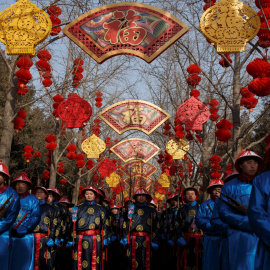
(133,253)
(148,253)
(79,255)
(37,237)
(94,253)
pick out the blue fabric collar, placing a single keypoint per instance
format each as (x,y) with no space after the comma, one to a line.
(42,202)
(89,203)
(193,204)
(56,202)
(140,204)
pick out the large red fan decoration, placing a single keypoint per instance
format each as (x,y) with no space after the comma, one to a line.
(75,111)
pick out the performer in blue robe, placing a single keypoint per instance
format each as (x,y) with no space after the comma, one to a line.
(211,237)
(7,215)
(23,242)
(259,216)
(241,239)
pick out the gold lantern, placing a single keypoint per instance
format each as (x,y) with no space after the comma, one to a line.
(22,26)
(177,148)
(230,25)
(113,180)
(93,146)
(164,180)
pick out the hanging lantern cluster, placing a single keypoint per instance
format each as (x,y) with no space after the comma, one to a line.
(63,182)
(37,154)
(190,168)
(28,153)
(96,127)
(247,100)
(46,175)
(60,167)
(54,12)
(89,164)
(160,158)
(80,161)
(18,121)
(24,76)
(71,155)
(223,133)
(44,67)
(77,72)
(200,167)
(213,110)
(195,93)
(215,167)
(167,128)
(229,168)
(57,101)
(224,61)
(208,4)
(259,69)
(49,158)
(179,129)
(98,99)
(193,78)
(263,34)
(51,145)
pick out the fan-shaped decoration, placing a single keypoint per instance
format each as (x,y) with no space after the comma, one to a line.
(106,167)
(125,28)
(230,25)
(113,180)
(164,180)
(135,149)
(193,114)
(75,111)
(23,26)
(177,148)
(134,114)
(93,146)
(138,168)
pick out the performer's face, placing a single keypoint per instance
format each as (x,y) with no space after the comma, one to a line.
(50,198)
(21,187)
(190,196)
(2,179)
(115,211)
(216,192)
(40,194)
(89,195)
(141,198)
(249,167)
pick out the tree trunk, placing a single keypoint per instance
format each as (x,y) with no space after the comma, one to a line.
(236,106)
(76,189)
(8,125)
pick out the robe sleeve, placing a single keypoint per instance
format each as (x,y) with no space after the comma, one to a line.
(257,210)
(202,218)
(216,222)
(9,218)
(231,216)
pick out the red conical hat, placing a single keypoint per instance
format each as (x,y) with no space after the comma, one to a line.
(153,203)
(92,188)
(246,154)
(114,206)
(4,169)
(23,178)
(231,175)
(214,183)
(64,200)
(55,191)
(172,197)
(40,187)
(142,191)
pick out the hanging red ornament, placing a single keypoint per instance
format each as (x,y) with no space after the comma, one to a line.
(90,164)
(54,11)
(51,146)
(43,66)
(37,154)
(44,55)
(46,175)
(194,93)
(50,138)
(193,80)
(258,68)
(260,86)
(194,69)
(75,111)
(24,62)
(225,61)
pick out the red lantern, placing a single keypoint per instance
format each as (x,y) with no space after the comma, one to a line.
(258,68)
(75,111)
(44,55)
(24,62)
(260,86)
(193,80)
(194,69)
(37,154)
(51,146)
(50,138)
(195,93)
(225,61)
